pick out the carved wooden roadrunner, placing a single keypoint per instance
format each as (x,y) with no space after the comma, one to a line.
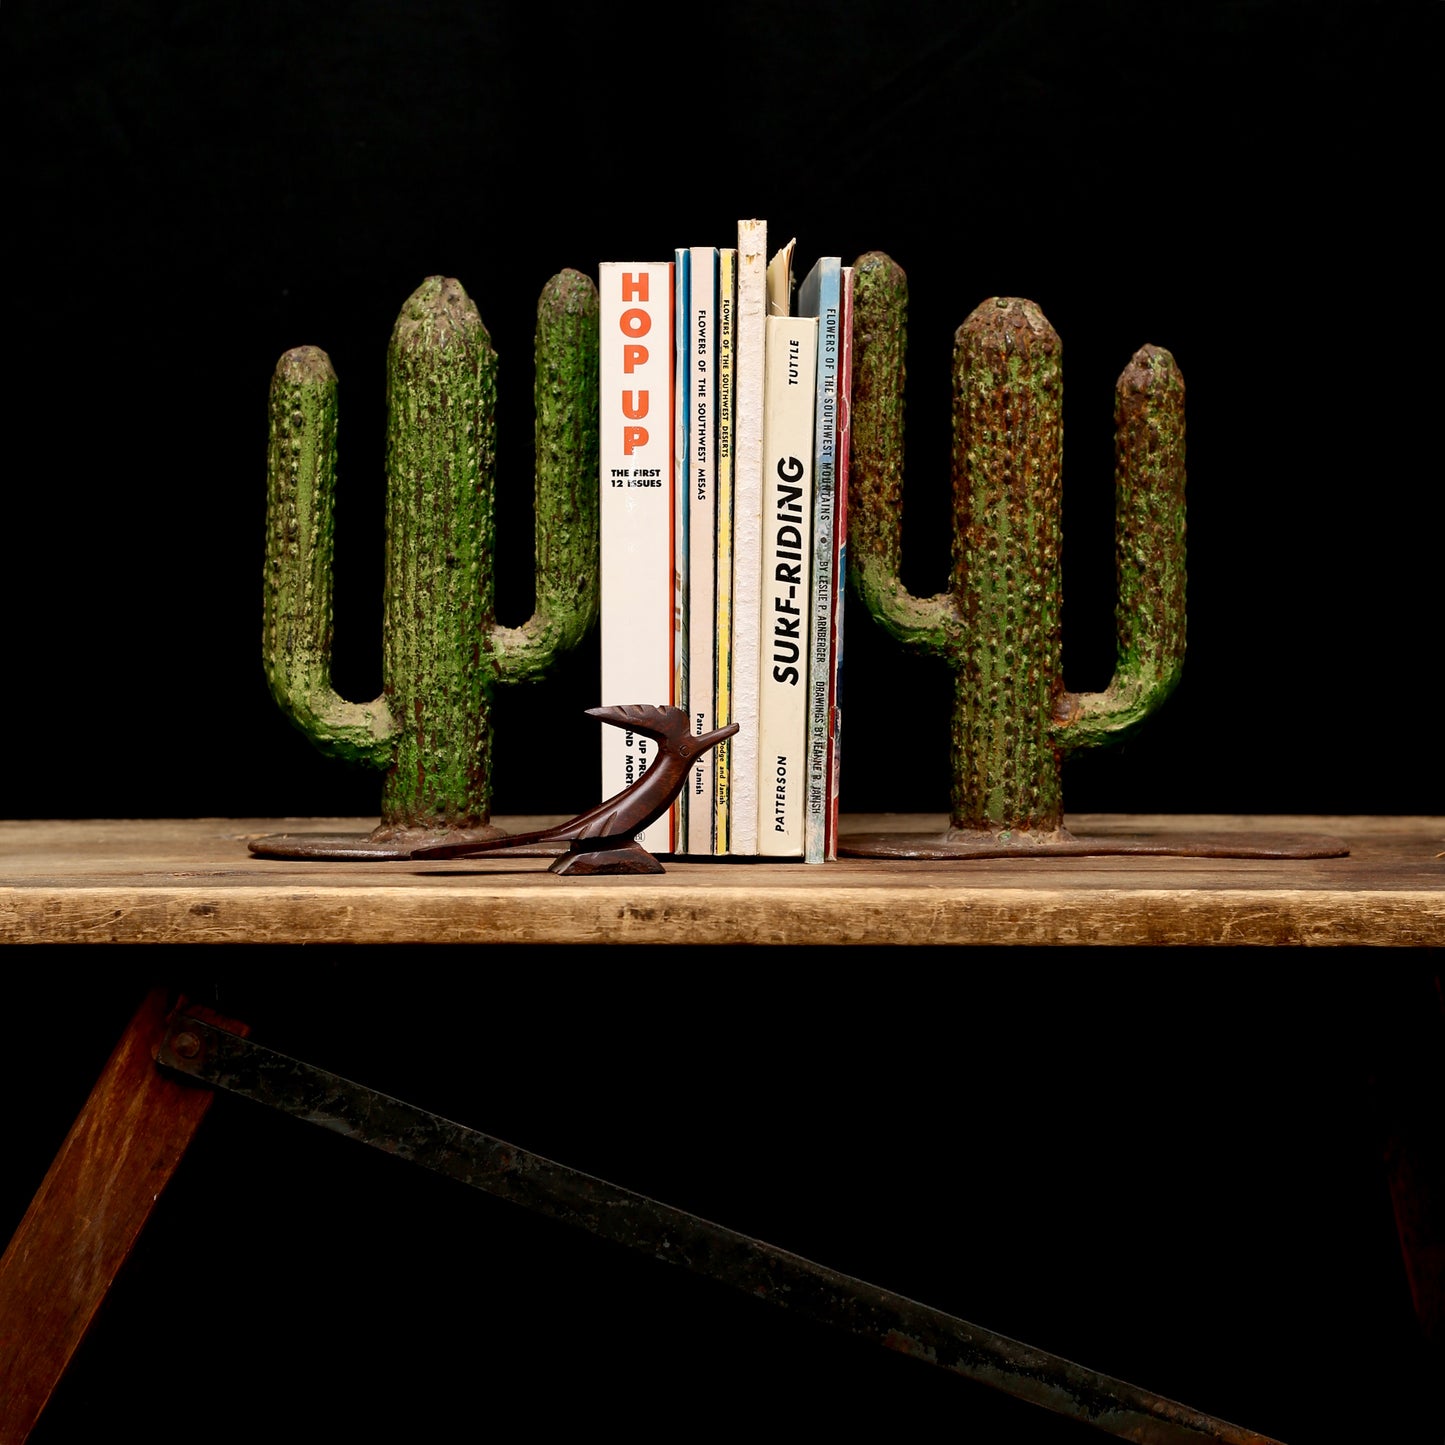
(601,840)
(147,1106)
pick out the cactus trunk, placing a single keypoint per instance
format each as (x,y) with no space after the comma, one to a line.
(1008,444)
(441,446)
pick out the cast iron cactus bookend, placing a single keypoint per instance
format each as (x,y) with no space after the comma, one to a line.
(443,652)
(997,626)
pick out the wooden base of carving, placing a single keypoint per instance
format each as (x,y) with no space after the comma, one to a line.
(622,857)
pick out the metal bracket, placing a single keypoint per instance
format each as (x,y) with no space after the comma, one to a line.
(236,1065)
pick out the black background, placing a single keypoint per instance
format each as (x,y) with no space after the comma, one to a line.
(1165,1167)
(1169,1169)
(195,188)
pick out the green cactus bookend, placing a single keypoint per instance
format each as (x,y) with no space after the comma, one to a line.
(430,730)
(997,625)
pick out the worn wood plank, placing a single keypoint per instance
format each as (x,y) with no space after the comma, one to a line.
(193,880)
(87,1214)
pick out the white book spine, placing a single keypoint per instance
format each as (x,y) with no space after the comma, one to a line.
(748,367)
(635,422)
(702,540)
(788,440)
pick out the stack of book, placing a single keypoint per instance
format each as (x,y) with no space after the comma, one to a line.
(724,452)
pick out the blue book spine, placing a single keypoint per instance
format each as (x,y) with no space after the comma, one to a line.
(821,295)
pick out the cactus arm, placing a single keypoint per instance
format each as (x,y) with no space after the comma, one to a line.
(567,347)
(875,497)
(1149,548)
(300,544)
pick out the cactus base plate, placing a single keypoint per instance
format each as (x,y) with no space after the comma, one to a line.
(389,844)
(967,843)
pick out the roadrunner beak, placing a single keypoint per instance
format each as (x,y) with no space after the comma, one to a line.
(620,716)
(704,741)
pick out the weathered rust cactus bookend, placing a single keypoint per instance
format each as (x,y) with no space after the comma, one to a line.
(430,730)
(997,626)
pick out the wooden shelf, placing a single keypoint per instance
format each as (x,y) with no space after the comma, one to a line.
(194,881)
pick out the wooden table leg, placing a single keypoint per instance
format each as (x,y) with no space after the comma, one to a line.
(1409,1086)
(88,1212)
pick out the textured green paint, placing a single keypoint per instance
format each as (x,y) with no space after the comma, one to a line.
(442,651)
(997,626)
(300,546)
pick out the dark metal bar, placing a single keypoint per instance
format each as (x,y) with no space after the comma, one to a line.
(611,1212)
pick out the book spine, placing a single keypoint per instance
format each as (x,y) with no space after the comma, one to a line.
(748,366)
(637,521)
(702,539)
(843,453)
(723,434)
(792,345)
(819,296)
(681,439)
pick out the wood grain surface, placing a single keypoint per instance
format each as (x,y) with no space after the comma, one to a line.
(194,881)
